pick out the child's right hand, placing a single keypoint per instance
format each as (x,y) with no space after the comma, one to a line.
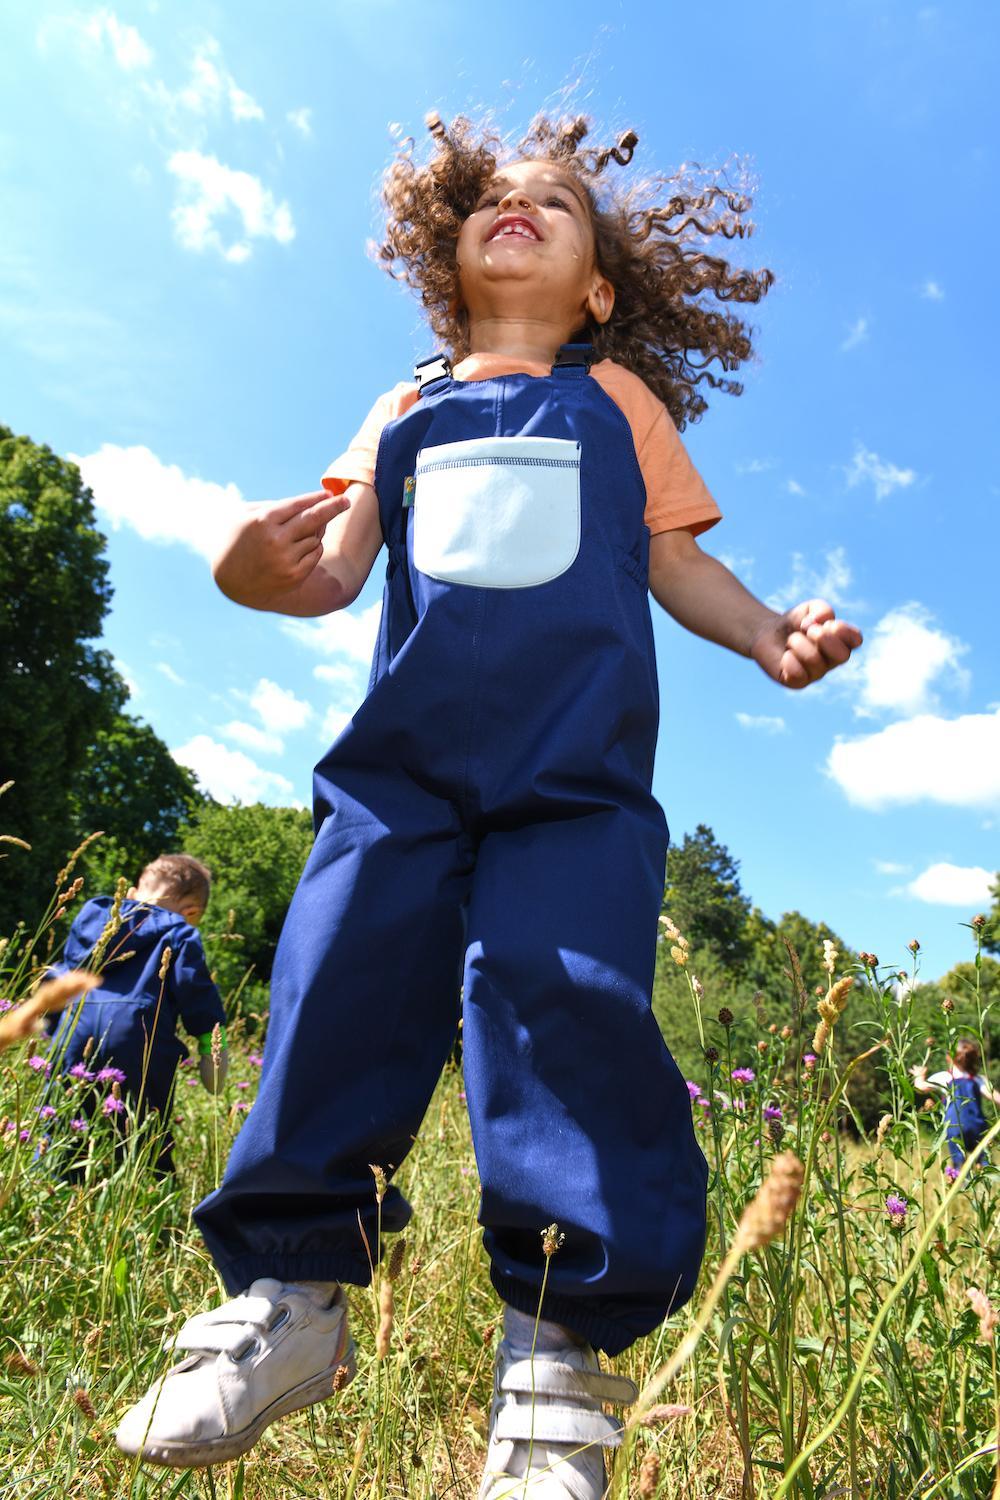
(275,547)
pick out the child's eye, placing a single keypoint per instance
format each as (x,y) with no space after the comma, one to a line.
(553,200)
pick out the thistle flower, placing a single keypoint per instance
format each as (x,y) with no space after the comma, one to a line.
(809,1060)
(78,1125)
(914,946)
(726,1017)
(46,1111)
(978,922)
(897,1208)
(947,1005)
(869,960)
(743,1075)
(775,1132)
(39,1064)
(786,1032)
(951,1171)
(693,1089)
(985,1312)
(766,1216)
(711,1054)
(80,1070)
(112,1106)
(111,1075)
(255,1059)
(772,1111)
(763,1045)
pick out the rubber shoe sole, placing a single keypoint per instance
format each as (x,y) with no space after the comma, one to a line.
(178,1455)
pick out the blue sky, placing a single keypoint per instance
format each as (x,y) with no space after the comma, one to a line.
(186,305)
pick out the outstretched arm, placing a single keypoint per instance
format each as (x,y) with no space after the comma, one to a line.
(794,648)
(305,556)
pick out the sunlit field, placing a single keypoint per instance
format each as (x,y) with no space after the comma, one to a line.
(841,1341)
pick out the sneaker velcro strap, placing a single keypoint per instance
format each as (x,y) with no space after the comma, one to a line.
(550,1378)
(572,1425)
(223,1329)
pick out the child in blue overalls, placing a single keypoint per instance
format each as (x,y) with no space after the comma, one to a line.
(126,1030)
(963,1087)
(487,813)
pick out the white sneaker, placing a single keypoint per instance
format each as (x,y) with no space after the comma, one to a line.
(262,1355)
(562,1428)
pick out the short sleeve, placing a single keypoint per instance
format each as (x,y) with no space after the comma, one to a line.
(676,495)
(196,999)
(356,465)
(943,1080)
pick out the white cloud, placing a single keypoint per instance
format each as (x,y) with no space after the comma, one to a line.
(890,867)
(754,465)
(932,291)
(128,677)
(904,656)
(229,775)
(793,487)
(766,723)
(212,86)
(830,581)
(856,334)
(953,885)
(739,563)
(301,119)
(278,707)
(208,191)
(342,633)
(170,674)
(132,487)
(953,762)
(334,720)
(102,27)
(252,738)
(885,476)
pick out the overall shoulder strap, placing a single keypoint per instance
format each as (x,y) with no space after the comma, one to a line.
(432,374)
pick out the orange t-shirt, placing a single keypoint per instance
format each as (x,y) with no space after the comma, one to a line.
(676,496)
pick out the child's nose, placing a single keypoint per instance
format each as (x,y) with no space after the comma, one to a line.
(514,200)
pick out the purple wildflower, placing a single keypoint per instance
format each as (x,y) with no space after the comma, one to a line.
(77,1124)
(951,1171)
(9,1127)
(743,1075)
(46,1111)
(26,1134)
(192,1083)
(111,1075)
(810,1061)
(896,1207)
(5,1004)
(255,1059)
(772,1111)
(40,1065)
(693,1089)
(242,1085)
(241,1106)
(112,1106)
(79,1070)
(705,1103)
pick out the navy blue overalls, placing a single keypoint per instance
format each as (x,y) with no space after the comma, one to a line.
(488,808)
(966,1123)
(130,1022)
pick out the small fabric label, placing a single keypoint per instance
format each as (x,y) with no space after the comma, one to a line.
(409,490)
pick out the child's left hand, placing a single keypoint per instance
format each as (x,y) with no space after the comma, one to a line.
(802,645)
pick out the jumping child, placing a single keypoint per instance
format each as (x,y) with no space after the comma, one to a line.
(488,809)
(964,1087)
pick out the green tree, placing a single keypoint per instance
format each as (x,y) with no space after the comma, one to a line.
(704,897)
(991,932)
(131,788)
(59,690)
(256,855)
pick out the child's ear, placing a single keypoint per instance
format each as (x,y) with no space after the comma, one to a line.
(601,298)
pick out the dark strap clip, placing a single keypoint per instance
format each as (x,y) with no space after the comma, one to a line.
(574,354)
(438,367)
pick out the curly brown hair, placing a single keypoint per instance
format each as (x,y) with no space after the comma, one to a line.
(649,242)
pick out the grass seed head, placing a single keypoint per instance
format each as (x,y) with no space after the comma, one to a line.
(396,1256)
(167,955)
(552,1240)
(19,1364)
(340,1377)
(84,1404)
(766,1216)
(386,1316)
(381,1183)
(649,1475)
(52,995)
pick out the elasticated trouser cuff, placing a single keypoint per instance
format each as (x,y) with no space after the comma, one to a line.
(600,1332)
(239,1273)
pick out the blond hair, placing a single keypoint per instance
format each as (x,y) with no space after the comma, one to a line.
(179,877)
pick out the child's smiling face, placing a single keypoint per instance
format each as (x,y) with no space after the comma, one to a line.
(527,250)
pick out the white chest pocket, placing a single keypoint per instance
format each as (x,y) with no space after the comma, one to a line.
(499,512)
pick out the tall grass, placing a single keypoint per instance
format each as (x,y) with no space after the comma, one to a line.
(841,1356)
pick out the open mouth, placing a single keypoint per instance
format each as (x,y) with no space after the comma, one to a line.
(512,226)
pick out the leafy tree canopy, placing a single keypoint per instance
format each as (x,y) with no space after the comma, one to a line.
(704,897)
(256,854)
(59,689)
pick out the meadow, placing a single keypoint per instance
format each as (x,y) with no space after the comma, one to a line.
(841,1342)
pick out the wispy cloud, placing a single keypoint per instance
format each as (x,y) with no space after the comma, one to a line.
(856,334)
(829,581)
(210,192)
(279,709)
(764,723)
(867,467)
(344,634)
(210,89)
(134,488)
(793,487)
(945,884)
(890,867)
(99,31)
(754,465)
(932,291)
(300,120)
(950,762)
(170,674)
(252,738)
(740,563)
